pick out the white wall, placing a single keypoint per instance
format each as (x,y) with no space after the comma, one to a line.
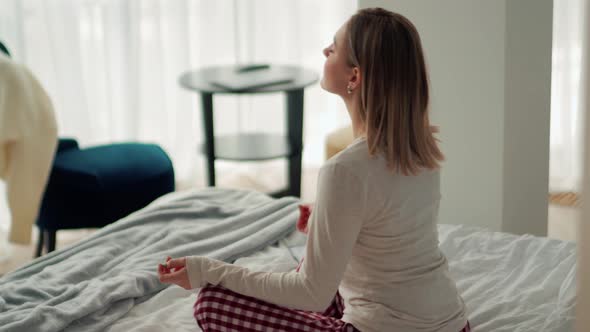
(583,298)
(473,51)
(527,100)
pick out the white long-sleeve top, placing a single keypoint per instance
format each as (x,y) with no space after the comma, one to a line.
(372,236)
(28,138)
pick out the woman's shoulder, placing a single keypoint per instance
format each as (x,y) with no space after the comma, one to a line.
(350,162)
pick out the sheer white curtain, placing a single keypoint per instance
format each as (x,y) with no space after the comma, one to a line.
(566,114)
(111,66)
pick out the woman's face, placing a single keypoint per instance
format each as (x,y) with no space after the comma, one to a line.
(337,72)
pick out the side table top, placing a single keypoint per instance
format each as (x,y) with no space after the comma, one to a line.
(199,79)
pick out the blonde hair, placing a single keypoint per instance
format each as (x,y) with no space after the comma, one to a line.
(394,98)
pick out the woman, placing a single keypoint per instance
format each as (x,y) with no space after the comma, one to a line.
(372,257)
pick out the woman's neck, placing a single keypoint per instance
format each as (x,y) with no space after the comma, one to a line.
(358,127)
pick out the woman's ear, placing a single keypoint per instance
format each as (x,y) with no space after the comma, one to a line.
(355,79)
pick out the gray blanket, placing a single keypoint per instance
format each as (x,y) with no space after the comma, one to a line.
(91,284)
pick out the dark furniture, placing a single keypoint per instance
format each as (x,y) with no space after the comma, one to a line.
(257,146)
(93,187)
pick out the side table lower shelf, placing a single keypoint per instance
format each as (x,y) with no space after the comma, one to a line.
(251,147)
(258,147)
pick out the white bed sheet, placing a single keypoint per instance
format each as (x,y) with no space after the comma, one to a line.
(172,308)
(509,283)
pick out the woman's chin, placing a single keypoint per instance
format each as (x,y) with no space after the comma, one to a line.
(324,87)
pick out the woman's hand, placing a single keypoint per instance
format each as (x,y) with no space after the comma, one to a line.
(174,272)
(304,213)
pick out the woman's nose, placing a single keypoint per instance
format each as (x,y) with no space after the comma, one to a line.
(325,51)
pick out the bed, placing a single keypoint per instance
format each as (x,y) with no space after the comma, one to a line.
(108,282)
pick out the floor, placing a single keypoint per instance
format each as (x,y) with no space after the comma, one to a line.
(562,220)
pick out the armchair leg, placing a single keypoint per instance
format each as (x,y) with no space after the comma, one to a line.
(51,235)
(39,250)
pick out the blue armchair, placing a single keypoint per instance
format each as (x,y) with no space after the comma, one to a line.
(93,187)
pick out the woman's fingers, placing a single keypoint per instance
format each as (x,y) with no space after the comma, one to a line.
(171,277)
(171,265)
(174,272)
(168,258)
(176,263)
(162,270)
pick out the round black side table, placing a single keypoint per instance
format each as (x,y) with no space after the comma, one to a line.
(254,146)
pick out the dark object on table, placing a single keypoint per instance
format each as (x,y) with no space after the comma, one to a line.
(252,77)
(252,67)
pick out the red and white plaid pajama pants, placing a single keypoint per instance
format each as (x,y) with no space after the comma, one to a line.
(221,310)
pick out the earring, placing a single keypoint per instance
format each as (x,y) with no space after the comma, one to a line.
(349,88)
